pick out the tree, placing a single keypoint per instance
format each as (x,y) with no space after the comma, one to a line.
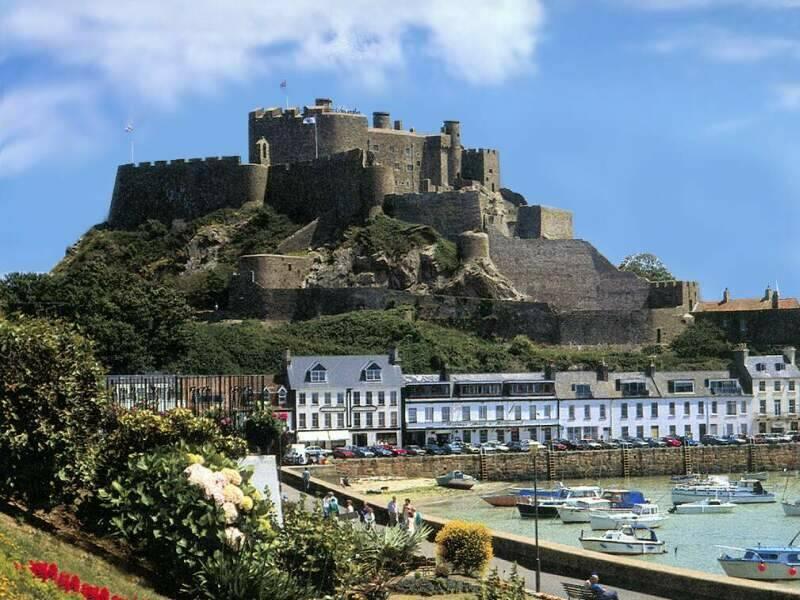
(648,266)
(701,340)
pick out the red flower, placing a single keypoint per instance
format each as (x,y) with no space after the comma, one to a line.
(75,584)
(52,571)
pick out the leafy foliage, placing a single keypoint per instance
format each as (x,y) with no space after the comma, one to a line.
(18,583)
(432,586)
(467,547)
(494,588)
(703,338)
(52,411)
(647,266)
(263,429)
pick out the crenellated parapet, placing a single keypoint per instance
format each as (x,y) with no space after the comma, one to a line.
(482,165)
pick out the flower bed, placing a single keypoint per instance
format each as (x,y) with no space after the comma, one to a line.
(68,582)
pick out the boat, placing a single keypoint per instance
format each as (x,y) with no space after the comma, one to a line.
(791,509)
(744,491)
(760,475)
(611,500)
(766,563)
(456,480)
(645,514)
(685,478)
(547,508)
(511,497)
(705,506)
(628,539)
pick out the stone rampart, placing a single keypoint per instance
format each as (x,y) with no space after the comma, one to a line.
(274,271)
(183,189)
(537,221)
(769,327)
(449,213)
(628,573)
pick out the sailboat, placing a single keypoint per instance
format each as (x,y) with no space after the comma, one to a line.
(790,509)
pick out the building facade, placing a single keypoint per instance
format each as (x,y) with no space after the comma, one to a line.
(773,380)
(346,400)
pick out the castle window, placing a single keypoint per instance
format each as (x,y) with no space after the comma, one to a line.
(490,171)
(410,167)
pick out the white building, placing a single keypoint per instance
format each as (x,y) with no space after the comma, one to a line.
(774,380)
(346,400)
(479,407)
(603,405)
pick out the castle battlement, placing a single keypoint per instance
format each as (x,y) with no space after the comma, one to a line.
(480,151)
(230,160)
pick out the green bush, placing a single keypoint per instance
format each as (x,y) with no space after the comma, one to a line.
(465,546)
(262,430)
(53,411)
(495,588)
(424,586)
(178,513)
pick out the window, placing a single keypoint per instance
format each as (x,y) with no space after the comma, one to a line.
(654,432)
(466,413)
(318,374)
(639,410)
(381,398)
(532,412)
(687,430)
(392,398)
(340,398)
(623,409)
(314,398)
(780,366)
(723,387)
(372,373)
(412,415)
(356,419)
(571,412)
(713,407)
(701,408)
(301,398)
(547,411)
(302,420)
(498,412)
(640,431)
(762,386)
(761,366)
(762,407)
(743,408)
(369,419)
(327,420)
(730,408)
(777,386)
(369,398)
(356,398)
(483,435)
(687,409)
(791,386)
(445,414)
(476,389)
(393,417)
(587,412)
(482,413)
(682,386)
(543,388)
(777,407)
(792,406)
(671,409)
(327,398)
(625,431)
(673,430)
(583,390)
(633,388)
(315,421)
(429,414)
(381,419)
(602,412)
(501,435)
(743,428)
(518,413)
(653,409)
(340,420)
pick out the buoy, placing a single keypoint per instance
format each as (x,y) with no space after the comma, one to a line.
(762,567)
(792,571)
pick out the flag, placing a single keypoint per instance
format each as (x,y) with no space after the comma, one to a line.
(310,121)
(283,84)
(129,128)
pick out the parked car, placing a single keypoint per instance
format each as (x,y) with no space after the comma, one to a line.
(497,445)
(472,449)
(558,446)
(672,441)
(610,444)
(735,440)
(414,450)
(639,443)
(435,450)
(453,448)
(714,440)
(622,442)
(655,443)
(363,452)
(688,441)
(515,446)
(570,445)
(396,451)
(381,452)
(317,452)
(343,452)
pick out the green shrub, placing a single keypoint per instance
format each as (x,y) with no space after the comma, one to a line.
(174,511)
(465,546)
(52,411)
(262,430)
(424,586)
(495,588)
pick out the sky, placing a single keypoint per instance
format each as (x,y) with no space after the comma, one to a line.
(666,126)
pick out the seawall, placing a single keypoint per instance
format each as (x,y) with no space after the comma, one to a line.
(631,574)
(583,465)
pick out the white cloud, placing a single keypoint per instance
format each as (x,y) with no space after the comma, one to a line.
(788,96)
(722,45)
(158,52)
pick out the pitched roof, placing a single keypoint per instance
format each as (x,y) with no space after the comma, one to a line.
(344,371)
(743,304)
(789,371)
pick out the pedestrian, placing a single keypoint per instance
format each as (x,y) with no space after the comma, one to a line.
(306,479)
(601,593)
(369,518)
(403,516)
(411,520)
(333,506)
(417,519)
(392,509)
(348,506)
(326,505)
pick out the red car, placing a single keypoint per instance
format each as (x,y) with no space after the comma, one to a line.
(672,442)
(343,452)
(396,451)
(558,446)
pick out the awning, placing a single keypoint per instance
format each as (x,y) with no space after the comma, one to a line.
(323,436)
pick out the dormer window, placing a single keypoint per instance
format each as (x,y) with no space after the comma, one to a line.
(372,373)
(318,374)
(761,367)
(780,366)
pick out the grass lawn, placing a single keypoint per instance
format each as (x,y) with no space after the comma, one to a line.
(32,544)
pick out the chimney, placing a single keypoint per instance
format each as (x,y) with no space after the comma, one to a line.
(650,371)
(398,125)
(726,296)
(287,358)
(444,372)
(394,356)
(550,372)
(602,371)
(323,102)
(740,356)
(776,299)
(789,354)
(381,120)
(767,294)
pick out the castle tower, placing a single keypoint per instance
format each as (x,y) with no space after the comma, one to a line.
(263,151)
(453,129)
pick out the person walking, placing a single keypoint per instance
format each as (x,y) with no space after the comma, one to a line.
(411,525)
(326,505)
(348,506)
(601,593)
(369,518)
(403,516)
(333,506)
(393,511)
(306,479)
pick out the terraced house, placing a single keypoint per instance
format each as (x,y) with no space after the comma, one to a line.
(773,380)
(345,400)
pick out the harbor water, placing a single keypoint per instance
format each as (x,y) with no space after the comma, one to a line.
(691,540)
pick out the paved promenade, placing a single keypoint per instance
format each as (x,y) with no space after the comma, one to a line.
(551,583)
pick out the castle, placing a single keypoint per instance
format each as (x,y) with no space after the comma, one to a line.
(329,168)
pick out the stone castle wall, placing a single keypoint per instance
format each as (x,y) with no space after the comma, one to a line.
(274,271)
(535,222)
(449,213)
(183,189)
(769,327)
(482,165)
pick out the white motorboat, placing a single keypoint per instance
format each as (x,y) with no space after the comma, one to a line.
(548,507)
(791,509)
(760,475)
(581,510)
(703,507)
(629,539)
(641,514)
(745,491)
(766,563)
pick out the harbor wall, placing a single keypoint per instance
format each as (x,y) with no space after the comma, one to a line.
(640,462)
(631,574)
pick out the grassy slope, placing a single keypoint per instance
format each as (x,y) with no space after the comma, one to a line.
(33,544)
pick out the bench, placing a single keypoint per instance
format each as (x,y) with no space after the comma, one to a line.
(578,591)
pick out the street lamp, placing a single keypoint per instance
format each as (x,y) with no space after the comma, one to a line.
(535,451)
